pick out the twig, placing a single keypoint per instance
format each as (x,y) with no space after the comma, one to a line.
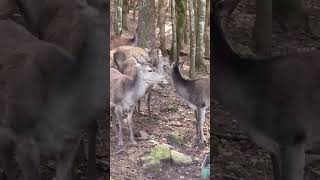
(230,137)
(48,167)
(118,152)
(230,177)
(314,171)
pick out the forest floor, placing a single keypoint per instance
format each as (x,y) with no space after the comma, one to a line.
(235,156)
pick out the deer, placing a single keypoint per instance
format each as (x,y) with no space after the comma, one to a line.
(116,41)
(89,15)
(126,91)
(196,93)
(274,99)
(130,59)
(48,97)
(130,51)
(64,23)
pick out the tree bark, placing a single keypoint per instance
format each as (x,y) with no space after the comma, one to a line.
(290,13)
(146,24)
(192,39)
(180,23)
(207,30)
(263,28)
(200,65)
(162,21)
(125,12)
(119,17)
(173,53)
(186,24)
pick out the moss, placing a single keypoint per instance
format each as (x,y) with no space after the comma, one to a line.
(180,159)
(161,152)
(173,108)
(175,138)
(151,163)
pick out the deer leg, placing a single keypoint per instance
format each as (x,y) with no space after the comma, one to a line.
(118,113)
(276,166)
(292,162)
(197,123)
(148,104)
(65,161)
(114,123)
(200,119)
(138,108)
(8,164)
(92,131)
(28,158)
(130,113)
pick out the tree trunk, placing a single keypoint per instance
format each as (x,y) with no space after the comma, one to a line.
(200,65)
(173,53)
(186,24)
(125,12)
(180,23)
(113,17)
(146,24)
(192,39)
(290,13)
(263,28)
(162,21)
(207,30)
(134,9)
(119,17)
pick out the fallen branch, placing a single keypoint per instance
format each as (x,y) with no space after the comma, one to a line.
(231,137)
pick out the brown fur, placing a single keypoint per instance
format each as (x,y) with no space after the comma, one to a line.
(116,41)
(69,25)
(196,93)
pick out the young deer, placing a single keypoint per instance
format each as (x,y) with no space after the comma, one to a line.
(130,51)
(275,100)
(196,94)
(127,64)
(126,91)
(116,41)
(48,96)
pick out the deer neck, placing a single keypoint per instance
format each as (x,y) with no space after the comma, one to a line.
(139,86)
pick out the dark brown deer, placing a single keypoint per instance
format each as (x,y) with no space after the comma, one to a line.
(91,50)
(275,100)
(64,24)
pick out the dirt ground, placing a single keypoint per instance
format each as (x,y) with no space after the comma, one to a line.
(235,156)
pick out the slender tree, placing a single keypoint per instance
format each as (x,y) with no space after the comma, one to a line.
(162,21)
(192,39)
(180,23)
(125,12)
(201,10)
(207,30)
(146,24)
(186,24)
(119,17)
(173,54)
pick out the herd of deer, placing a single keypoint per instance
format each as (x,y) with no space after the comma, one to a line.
(133,73)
